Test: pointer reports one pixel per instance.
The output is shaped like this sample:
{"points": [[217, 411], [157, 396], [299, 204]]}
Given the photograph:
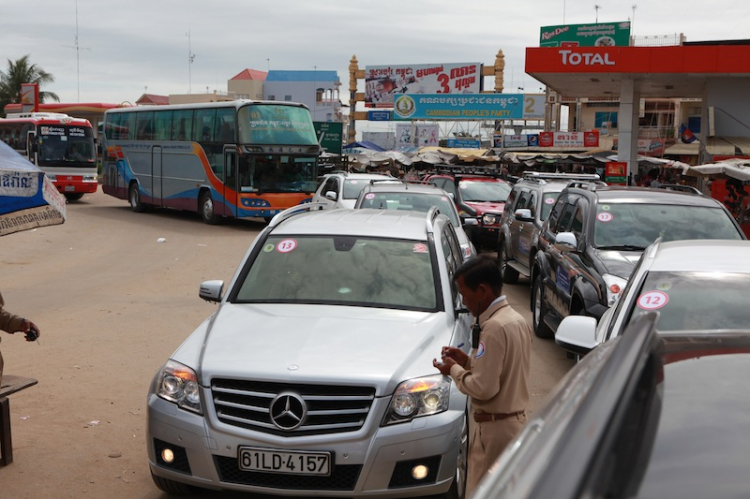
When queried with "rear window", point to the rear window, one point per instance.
{"points": [[342, 270], [412, 202]]}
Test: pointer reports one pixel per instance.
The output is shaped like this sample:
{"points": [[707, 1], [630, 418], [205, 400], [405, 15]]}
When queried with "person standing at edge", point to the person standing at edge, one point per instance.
{"points": [[495, 373], [11, 323]]}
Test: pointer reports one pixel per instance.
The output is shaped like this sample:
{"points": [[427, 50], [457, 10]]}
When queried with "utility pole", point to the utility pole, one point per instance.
{"points": [[596, 8], [78, 55], [191, 56]]}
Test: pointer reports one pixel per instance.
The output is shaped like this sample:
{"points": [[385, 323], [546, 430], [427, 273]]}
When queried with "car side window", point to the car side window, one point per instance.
{"points": [[511, 203], [449, 186], [453, 257], [331, 185], [576, 226], [554, 219], [566, 218], [523, 201], [533, 198]]}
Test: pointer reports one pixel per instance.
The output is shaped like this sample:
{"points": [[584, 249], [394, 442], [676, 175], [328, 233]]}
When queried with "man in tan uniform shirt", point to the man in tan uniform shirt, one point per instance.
{"points": [[11, 323], [494, 375]]}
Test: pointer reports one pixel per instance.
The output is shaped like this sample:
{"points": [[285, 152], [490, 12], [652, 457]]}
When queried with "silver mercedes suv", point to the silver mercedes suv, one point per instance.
{"points": [[314, 376]]}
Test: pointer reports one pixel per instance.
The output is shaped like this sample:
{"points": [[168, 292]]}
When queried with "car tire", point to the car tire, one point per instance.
{"points": [[172, 487], [206, 209], [458, 487], [510, 275], [539, 309], [134, 197]]}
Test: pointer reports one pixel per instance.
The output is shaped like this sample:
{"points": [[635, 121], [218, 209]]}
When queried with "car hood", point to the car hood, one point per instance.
{"points": [[486, 207], [619, 263], [321, 343]]}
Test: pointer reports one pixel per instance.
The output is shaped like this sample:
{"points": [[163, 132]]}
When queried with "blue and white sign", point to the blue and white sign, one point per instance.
{"points": [[378, 116], [464, 143], [458, 107]]}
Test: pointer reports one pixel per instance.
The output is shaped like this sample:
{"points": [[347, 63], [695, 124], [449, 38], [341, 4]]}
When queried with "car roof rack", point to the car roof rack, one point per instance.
{"points": [[295, 210], [560, 176], [590, 185]]}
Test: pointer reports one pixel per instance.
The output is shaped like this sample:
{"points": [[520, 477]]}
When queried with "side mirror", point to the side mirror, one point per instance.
{"points": [[566, 241], [331, 195], [211, 290], [523, 215], [469, 222], [577, 334]]}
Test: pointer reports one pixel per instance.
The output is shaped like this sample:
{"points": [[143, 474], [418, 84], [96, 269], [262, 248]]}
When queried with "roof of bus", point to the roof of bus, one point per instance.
{"points": [[204, 105], [53, 118]]}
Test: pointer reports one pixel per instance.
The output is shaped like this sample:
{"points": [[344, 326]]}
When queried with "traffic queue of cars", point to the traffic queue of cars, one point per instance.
{"points": [[648, 291]]}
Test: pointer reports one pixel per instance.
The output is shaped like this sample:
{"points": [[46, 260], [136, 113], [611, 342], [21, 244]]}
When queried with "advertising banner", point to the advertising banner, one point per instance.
{"points": [[382, 83], [330, 135], [616, 173], [411, 135], [523, 140], [458, 107], [586, 35], [29, 97], [569, 139]]}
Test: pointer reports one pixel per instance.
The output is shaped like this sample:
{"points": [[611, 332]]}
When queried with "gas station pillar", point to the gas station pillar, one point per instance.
{"points": [[627, 147]]}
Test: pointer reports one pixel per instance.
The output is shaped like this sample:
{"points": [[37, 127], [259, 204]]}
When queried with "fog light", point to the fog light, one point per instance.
{"points": [[419, 472], [168, 456]]}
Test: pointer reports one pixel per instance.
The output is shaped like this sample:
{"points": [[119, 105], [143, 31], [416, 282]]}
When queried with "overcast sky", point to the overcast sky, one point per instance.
{"points": [[128, 48]]}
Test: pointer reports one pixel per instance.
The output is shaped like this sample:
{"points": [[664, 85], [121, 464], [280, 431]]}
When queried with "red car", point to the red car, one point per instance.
{"points": [[480, 196]]}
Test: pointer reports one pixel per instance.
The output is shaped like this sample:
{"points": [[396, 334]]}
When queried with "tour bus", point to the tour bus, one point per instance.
{"points": [[242, 158], [61, 146]]}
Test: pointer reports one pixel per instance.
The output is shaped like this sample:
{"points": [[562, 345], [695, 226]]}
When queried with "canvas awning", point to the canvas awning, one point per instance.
{"points": [[734, 168]]}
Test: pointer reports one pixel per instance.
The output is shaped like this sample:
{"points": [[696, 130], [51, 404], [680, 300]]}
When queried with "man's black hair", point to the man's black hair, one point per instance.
{"points": [[481, 269]]}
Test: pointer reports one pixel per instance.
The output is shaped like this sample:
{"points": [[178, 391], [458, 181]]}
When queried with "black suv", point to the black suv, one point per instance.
{"points": [[594, 237], [526, 209]]}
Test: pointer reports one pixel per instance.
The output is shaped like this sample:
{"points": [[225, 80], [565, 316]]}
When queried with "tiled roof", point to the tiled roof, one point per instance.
{"points": [[161, 100], [250, 74]]}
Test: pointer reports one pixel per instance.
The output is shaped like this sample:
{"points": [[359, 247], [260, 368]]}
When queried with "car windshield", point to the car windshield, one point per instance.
{"points": [[353, 187], [548, 202], [341, 270], [695, 300], [411, 201], [635, 226], [478, 191]]}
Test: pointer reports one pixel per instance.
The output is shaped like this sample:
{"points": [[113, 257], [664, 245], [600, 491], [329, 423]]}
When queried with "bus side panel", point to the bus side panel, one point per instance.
{"points": [[183, 175]]}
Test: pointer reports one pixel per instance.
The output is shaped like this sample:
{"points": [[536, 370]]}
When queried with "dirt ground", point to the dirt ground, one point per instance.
{"points": [[112, 303]]}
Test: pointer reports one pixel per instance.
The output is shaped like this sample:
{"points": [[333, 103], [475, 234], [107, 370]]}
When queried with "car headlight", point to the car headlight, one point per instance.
{"points": [[615, 285], [490, 219], [179, 384], [419, 397]]}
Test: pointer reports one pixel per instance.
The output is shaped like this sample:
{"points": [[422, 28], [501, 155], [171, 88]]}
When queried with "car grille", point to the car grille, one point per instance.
{"points": [[343, 477], [330, 409]]}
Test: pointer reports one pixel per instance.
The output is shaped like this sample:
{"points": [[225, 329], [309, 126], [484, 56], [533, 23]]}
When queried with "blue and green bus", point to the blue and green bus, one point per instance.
{"points": [[242, 159]]}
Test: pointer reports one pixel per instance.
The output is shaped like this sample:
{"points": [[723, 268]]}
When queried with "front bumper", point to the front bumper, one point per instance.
{"points": [[369, 462]]}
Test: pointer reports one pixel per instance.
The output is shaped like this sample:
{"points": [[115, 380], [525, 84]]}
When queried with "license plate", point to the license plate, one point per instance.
{"points": [[70, 188], [288, 462]]}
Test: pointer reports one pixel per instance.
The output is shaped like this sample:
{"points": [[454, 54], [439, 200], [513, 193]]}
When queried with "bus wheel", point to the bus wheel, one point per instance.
{"points": [[74, 197], [134, 196], [207, 209]]}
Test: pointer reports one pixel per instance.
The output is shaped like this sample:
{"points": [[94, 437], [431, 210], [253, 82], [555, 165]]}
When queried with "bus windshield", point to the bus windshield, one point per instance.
{"points": [[274, 173], [63, 145], [276, 124]]}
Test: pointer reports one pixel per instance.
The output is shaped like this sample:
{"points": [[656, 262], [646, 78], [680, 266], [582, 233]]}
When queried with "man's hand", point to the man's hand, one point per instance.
{"points": [[445, 366], [456, 355]]}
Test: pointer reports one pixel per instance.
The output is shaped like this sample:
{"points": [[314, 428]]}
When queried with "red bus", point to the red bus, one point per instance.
{"points": [[63, 147]]}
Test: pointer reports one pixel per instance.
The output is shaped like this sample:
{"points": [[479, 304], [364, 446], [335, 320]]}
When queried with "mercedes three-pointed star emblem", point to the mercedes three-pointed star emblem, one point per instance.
{"points": [[288, 411]]}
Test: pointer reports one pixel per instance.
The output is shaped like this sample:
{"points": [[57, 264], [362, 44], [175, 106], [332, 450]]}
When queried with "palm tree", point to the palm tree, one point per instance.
{"points": [[20, 72]]}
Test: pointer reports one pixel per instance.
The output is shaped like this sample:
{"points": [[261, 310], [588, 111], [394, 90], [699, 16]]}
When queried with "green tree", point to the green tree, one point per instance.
{"points": [[19, 72]]}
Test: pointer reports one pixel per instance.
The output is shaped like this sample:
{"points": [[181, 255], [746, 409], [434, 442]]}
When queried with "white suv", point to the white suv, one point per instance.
{"points": [[314, 377], [340, 190]]}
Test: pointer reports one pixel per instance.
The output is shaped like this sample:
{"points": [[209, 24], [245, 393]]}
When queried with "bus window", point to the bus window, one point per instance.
{"points": [[145, 126], [203, 126], [182, 125], [226, 125], [162, 125], [128, 126]]}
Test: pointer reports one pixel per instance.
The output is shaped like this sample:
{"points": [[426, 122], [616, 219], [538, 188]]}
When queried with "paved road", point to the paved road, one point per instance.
{"points": [[113, 303]]}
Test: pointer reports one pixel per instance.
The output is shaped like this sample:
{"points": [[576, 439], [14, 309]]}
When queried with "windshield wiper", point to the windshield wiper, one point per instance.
{"points": [[622, 247]]}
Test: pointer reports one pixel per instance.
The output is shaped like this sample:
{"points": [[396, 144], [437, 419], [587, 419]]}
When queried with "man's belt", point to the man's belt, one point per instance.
{"points": [[483, 417]]}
